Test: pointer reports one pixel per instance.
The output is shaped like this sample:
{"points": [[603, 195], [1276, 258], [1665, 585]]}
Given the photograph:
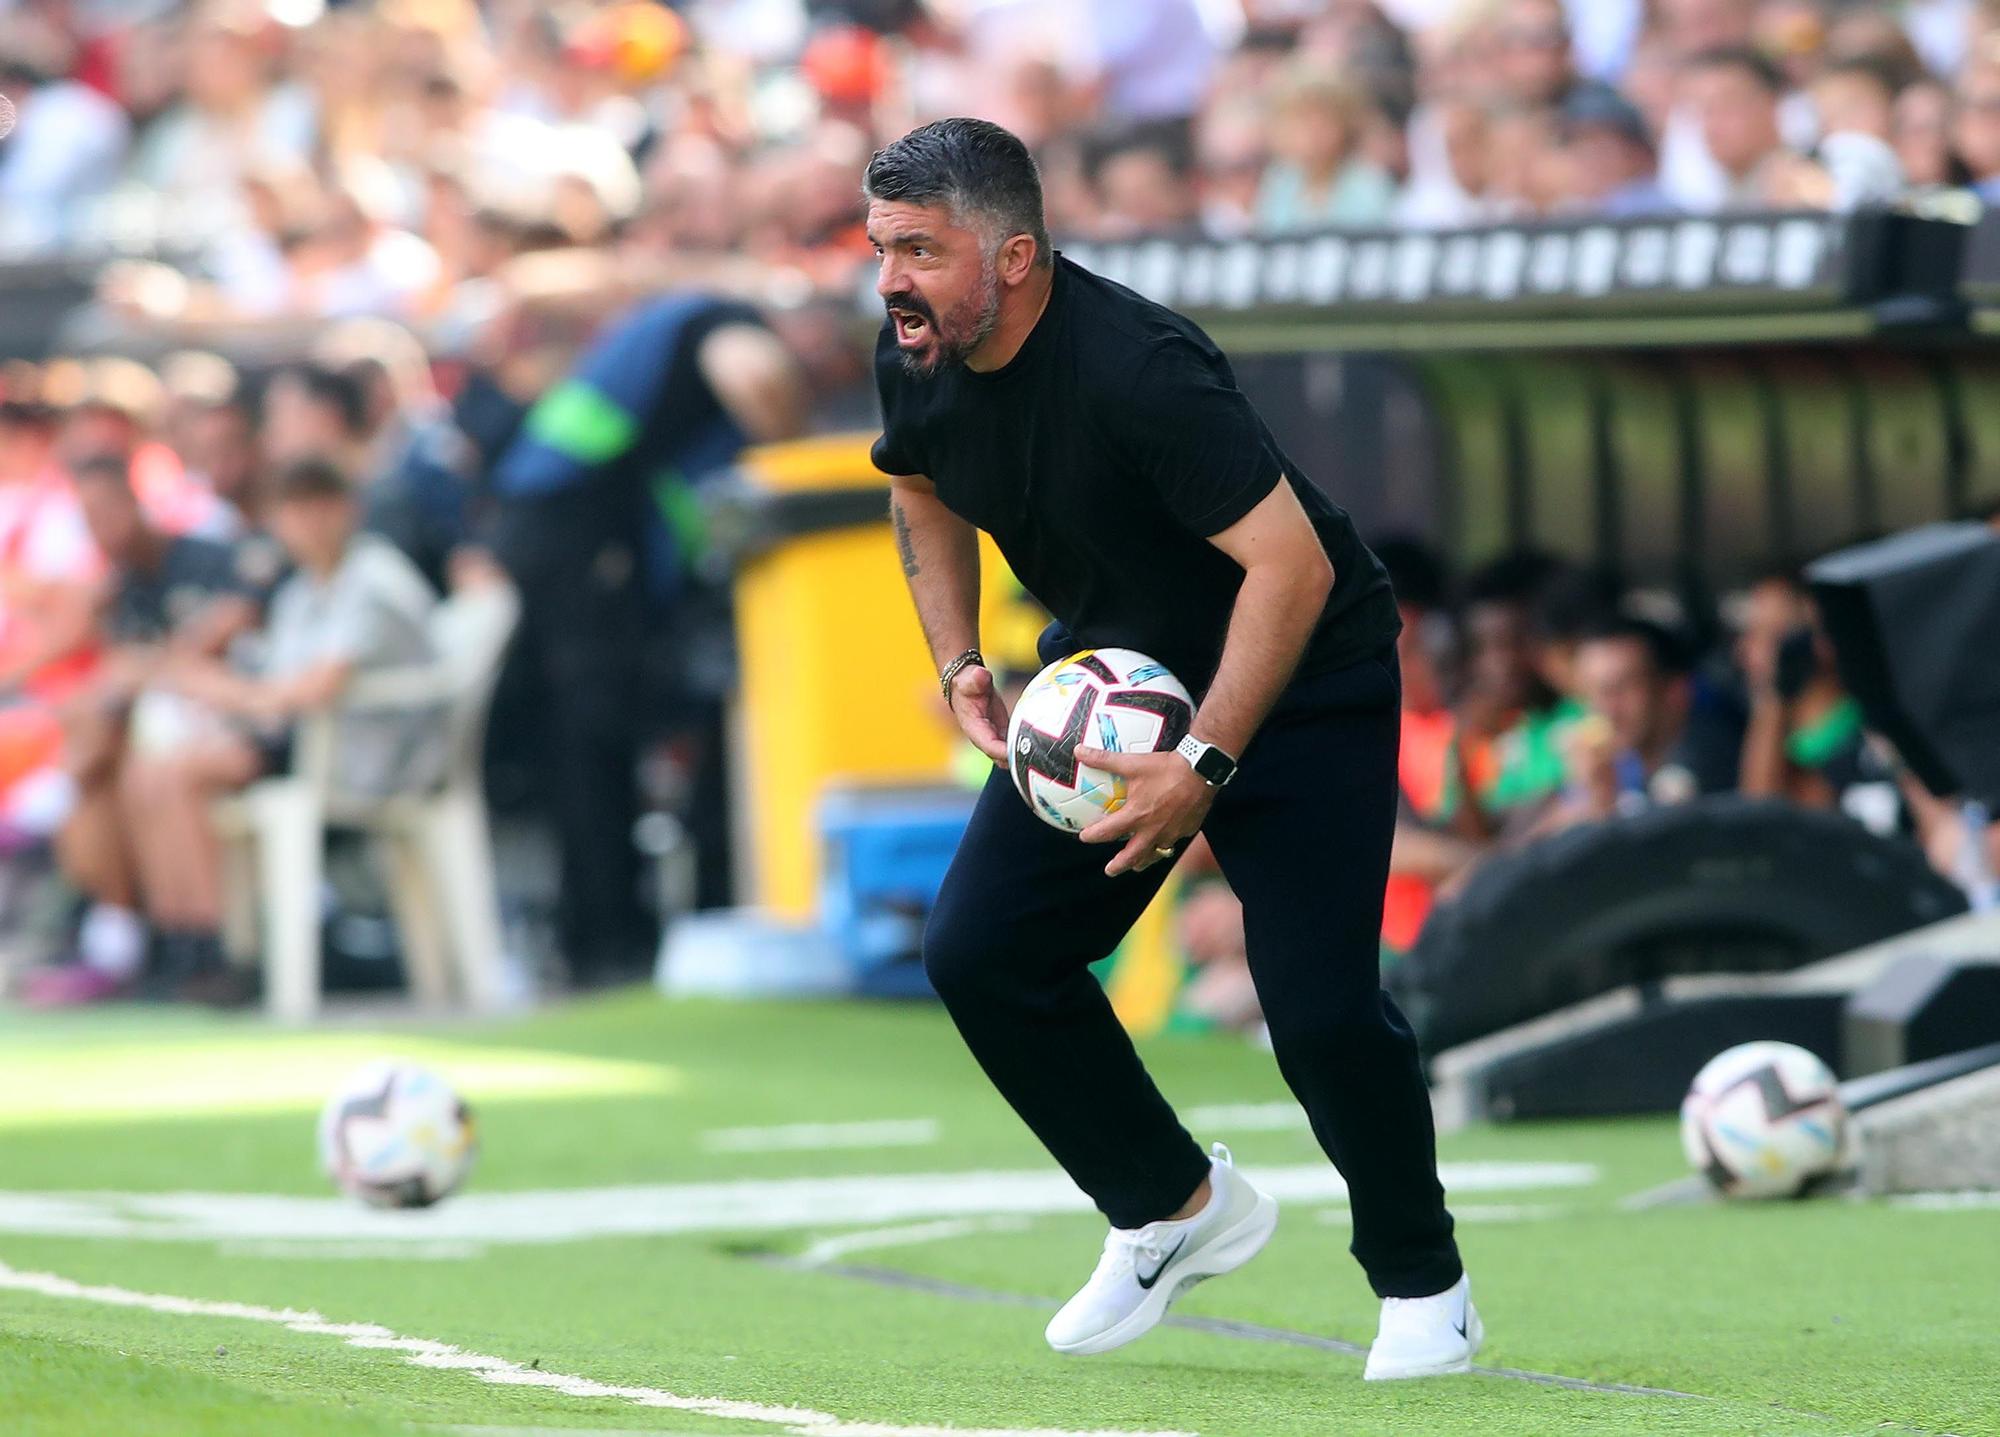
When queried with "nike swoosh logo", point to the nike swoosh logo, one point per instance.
{"points": [[1147, 1282], [1461, 1324]]}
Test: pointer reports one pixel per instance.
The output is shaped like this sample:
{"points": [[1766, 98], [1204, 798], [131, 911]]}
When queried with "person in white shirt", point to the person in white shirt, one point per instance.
{"points": [[67, 143]]}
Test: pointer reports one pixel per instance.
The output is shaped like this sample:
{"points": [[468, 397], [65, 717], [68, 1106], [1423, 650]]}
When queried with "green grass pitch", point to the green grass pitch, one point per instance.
{"points": [[1821, 1317]]}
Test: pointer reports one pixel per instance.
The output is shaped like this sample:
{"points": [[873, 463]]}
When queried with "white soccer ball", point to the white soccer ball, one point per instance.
{"points": [[1113, 699], [1764, 1120], [396, 1135]]}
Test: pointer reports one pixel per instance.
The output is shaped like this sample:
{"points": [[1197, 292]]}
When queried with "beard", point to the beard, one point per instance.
{"points": [[966, 326]]}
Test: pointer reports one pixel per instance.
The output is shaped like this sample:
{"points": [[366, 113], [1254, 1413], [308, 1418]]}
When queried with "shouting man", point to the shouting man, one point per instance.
{"points": [[1103, 443]]}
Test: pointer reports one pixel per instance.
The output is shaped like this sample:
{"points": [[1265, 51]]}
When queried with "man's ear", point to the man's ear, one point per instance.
{"points": [[1016, 258]]}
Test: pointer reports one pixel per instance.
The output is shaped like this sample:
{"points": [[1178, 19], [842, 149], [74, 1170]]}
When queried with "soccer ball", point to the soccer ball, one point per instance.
{"points": [[396, 1135], [1113, 699], [1764, 1120]]}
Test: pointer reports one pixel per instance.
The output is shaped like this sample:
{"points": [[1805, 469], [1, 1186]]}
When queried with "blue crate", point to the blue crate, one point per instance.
{"points": [[885, 855]]}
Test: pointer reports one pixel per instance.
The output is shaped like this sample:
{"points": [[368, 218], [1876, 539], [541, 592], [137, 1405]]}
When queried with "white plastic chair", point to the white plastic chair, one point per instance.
{"points": [[440, 851]]}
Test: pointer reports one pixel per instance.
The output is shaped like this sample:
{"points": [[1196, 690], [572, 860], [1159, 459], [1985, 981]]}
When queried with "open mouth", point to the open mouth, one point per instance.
{"points": [[912, 329]]}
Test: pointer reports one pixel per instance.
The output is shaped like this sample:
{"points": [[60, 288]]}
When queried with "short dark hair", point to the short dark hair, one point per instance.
{"points": [[1664, 647], [1754, 63], [974, 168], [1167, 139], [340, 390], [312, 477]]}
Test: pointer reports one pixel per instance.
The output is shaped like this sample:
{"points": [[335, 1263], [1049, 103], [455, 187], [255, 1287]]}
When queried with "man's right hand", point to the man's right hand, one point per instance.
{"points": [[980, 711]]}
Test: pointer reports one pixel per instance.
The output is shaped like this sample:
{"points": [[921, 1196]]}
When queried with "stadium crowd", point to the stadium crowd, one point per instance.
{"points": [[473, 262]]}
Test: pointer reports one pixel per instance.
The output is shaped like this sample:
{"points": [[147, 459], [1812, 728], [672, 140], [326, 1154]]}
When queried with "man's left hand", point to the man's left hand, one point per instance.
{"points": [[1166, 801]]}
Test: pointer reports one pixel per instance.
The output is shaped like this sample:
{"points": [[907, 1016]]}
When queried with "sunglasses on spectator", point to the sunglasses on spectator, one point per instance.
{"points": [[1534, 37]]}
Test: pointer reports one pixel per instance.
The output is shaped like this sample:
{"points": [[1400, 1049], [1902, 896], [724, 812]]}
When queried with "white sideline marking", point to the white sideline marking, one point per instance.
{"points": [[905, 1235], [572, 1214], [1222, 1119], [822, 1137], [357, 1251], [423, 1352]]}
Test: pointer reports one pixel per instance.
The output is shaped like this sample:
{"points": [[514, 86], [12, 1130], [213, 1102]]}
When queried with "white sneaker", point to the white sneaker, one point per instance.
{"points": [[1144, 1269], [1426, 1336]]}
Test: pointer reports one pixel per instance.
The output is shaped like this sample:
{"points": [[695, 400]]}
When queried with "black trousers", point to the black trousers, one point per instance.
{"points": [[1303, 836]]}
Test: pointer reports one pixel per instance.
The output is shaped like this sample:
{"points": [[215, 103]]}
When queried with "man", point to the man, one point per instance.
{"points": [[1645, 741], [353, 604], [1103, 443], [418, 475], [1975, 124], [1612, 168], [1734, 96], [598, 520], [160, 583]]}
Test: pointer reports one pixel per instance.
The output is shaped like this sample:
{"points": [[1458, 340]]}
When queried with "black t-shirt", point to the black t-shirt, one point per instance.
{"points": [[1101, 458], [146, 608]]}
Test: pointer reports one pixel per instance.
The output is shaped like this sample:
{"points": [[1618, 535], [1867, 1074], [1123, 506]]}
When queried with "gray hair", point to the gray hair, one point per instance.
{"points": [[982, 174]]}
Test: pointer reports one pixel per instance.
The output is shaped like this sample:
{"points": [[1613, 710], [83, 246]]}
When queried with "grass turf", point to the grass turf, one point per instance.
{"points": [[1827, 1317]]}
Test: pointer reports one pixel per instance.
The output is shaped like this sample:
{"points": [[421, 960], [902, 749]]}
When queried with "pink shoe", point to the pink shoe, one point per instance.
{"points": [[70, 985]]}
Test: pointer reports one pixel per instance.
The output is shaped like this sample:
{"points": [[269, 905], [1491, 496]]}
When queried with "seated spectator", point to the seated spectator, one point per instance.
{"points": [[1143, 179], [67, 140], [354, 605], [1644, 741], [159, 585], [1425, 854], [1506, 759], [1613, 169], [1921, 132], [1975, 126], [417, 478], [1805, 741], [1318, 178], [1734, 95]]}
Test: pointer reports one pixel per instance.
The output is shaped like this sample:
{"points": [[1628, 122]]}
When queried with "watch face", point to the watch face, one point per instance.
{"points": [[1215, 766]]}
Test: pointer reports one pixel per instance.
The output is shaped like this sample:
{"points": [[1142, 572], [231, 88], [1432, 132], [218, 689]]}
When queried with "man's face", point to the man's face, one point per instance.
{"points": [[1618, 680], [1532, 45], [1502, 657], [221, 445], [111, 513], [1739, 117], [1144, 194], [938, 281], [314, 530], [1976, 123]]}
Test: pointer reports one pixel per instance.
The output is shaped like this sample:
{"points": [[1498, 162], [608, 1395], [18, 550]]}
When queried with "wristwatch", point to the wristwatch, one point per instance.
{"points": [[1211, 764]]}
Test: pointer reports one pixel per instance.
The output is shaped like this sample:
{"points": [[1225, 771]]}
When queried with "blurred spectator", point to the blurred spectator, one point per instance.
{"points": [[1144, 183], [1734, 94], [313, 410], [229, 123], [158, 584], [1805, 741], [1976, 123], [1506, 757], [416, 477], [66, 141], [1450, 164], [1425, 853], [1531, 44], [1643, 742], [1856, 97], [1922, 133], [1318, 177], [1612, 167], [1230, 156], [354, 604]]}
